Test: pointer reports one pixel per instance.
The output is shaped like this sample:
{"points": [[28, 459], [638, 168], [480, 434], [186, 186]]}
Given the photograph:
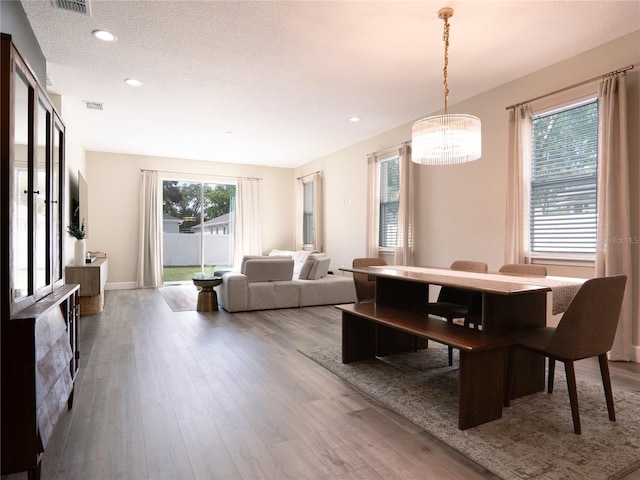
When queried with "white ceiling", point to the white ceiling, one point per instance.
{"points": [[285, 77]]}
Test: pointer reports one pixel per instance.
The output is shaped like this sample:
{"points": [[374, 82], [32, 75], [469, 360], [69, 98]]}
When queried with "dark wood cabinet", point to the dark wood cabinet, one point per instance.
{"points": [[40, 361], [39, 314]]}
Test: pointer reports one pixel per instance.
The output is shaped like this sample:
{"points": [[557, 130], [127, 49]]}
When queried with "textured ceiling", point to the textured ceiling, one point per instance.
{"points": [[285, 77]]}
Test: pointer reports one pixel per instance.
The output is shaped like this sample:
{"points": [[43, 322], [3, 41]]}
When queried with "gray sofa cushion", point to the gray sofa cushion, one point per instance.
{"points": [[307, 265], [268, 269], [246, 258], [320, 268], [287, 294], [329, 290], [261, 296]]}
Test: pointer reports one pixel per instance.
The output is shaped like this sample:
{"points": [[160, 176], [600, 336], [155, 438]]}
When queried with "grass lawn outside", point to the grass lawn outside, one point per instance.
{"points": [[185, 273]]}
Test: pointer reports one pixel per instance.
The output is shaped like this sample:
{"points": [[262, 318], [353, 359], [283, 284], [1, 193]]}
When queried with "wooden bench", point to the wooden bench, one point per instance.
{"points": [[370, 330]]}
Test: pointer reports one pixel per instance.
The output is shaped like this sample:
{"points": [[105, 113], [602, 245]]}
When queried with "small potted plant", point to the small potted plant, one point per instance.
{"points": [[79, 247], [76, 231]]}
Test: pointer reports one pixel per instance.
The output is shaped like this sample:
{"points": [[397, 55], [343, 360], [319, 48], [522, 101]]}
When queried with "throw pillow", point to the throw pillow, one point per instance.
{"points": [[276, 252], [307, 265], [320, 268]]}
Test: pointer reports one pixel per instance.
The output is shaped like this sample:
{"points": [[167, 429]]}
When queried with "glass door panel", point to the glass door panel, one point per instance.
{"points": [[40, 195], [217, 235], [196, 237], [181, 247], [21, 198]]}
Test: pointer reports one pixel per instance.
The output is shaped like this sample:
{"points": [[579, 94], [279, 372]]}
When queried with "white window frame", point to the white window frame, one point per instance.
{"points": [[307, 215], [548, 106], [388, 158]]}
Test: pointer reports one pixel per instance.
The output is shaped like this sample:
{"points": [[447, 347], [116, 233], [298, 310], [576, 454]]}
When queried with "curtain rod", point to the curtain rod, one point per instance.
{"points": [[309, 174], [615, 72], [200, 174], [385, 149]]}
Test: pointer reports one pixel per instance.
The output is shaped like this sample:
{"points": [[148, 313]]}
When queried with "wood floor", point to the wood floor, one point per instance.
{"points": [[218, 395]]}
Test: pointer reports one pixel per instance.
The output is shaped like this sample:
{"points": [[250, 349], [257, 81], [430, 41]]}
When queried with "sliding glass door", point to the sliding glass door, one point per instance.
{"points": [[197, 228]]}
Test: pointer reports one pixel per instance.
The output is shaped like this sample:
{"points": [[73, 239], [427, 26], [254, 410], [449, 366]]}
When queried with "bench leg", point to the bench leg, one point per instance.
{"points": [[358, 338], [390, 341], [481, 387], [363, 339]]}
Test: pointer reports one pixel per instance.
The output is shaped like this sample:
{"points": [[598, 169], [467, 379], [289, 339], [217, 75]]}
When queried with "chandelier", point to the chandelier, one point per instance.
{"points": [[446, 139]]}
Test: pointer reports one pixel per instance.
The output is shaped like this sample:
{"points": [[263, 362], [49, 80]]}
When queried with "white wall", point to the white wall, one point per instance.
{"points": [[461, 209], [75, 161], [113, 181]]}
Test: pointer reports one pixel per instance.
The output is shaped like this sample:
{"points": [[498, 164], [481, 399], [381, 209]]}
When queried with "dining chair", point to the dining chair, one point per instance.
{"points": [[453, 303], [365, 287], [522, 269], [586, 329], [525, 269]]}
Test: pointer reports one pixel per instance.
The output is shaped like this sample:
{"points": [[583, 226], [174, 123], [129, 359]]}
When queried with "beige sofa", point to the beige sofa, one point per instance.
{"points": [[282, 280]]}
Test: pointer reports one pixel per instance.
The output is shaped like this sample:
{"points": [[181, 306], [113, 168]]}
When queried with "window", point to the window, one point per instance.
{"points": [[308, 217], [307, 213], [563, 207], [389, 201]]}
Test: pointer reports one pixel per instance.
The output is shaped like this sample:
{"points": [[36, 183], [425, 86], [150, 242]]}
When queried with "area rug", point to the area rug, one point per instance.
{"points": [[534, 439], [180, 298]]}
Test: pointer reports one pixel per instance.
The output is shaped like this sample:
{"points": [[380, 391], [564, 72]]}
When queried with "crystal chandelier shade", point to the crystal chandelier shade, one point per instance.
{"points": [[446, 139]]}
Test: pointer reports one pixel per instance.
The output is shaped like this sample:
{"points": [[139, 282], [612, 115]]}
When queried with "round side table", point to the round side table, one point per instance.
{"points": [[207, 296]]}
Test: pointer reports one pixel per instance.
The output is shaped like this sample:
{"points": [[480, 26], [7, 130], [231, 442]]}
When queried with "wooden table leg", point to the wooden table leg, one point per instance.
{"points": [[481, 387], [507, 313]]}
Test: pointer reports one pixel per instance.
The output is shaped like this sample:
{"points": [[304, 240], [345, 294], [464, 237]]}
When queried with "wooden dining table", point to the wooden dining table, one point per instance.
{"points": [[509, 303]]}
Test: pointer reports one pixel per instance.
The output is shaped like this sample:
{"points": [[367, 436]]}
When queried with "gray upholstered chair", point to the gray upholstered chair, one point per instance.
{"points": [[525, 269], [455, 303], [365, 287], [587, 329]]}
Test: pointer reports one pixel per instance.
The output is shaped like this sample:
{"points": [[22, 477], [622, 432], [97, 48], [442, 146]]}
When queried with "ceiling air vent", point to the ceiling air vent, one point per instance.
{"points": [[49, 82], [75, 6], [93, 105]]}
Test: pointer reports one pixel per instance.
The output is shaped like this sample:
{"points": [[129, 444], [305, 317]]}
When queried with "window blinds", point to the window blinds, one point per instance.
{"points": [[563, 207], [389, 201], [307, 220]]}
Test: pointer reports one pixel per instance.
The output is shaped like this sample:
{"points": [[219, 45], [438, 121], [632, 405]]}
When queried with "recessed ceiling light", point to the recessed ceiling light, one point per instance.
{"points": [[354, 119], [133, 82], [104, 35]]}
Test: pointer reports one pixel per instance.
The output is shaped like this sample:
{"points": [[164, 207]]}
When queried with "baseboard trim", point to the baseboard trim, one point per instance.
{"points": [[121, 286]]}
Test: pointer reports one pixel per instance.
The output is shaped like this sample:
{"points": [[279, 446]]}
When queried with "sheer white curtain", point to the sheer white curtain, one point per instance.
{"points": [[404, 243], [150, 237], [248, 228], [373, 206], [613, 254], [518, 181]]}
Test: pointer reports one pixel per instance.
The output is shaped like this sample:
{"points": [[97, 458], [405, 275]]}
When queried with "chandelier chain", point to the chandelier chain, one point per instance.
{"points": [[445, 38], [446, 139]]}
